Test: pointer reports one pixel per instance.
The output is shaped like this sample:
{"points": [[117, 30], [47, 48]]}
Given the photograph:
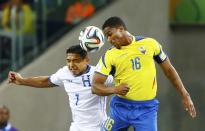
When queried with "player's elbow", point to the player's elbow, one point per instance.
{"points": [[94, 90]]}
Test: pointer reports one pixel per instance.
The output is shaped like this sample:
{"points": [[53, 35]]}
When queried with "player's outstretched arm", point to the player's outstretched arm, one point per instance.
{"points": [[38, 82], [173, 76], [99, 88]]}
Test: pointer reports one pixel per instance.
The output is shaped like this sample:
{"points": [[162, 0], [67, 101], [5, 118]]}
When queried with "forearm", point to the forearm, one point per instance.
{"points": [[101, 90], [173, 76], [38, 82]]}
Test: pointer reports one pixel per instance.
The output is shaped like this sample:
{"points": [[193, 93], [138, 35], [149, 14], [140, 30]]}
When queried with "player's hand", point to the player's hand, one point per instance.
{"points": [[189, 106], [122, 89], [14, 77]]}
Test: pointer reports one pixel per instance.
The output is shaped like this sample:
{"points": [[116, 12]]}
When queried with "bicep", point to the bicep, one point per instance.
{"points": [[99, 78], [46, 81]]}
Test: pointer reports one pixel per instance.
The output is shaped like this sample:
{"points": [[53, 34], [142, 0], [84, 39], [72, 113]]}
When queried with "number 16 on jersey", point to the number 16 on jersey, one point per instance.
{"points": [[136, 63]]}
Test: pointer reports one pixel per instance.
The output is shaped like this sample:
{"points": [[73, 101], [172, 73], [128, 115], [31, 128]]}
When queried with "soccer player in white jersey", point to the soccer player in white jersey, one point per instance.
{"points": [[88, 110]]}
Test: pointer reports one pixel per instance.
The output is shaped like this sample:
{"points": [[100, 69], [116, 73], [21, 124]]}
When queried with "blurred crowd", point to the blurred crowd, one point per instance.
{"points": [[27, 27], [78, 11], [17, 20]]}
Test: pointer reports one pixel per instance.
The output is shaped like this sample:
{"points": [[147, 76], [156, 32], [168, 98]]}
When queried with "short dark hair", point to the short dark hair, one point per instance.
{"points": [[4, 107], [114, 22], [76, 49]]}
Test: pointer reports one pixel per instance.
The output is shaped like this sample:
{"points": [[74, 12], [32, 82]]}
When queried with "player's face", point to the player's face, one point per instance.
{"points": [[4, 115], [76, 64], [115, 36]]}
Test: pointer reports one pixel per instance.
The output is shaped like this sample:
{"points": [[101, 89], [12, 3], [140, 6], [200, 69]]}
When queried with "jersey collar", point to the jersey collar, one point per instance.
{"points": [[87, 69]]}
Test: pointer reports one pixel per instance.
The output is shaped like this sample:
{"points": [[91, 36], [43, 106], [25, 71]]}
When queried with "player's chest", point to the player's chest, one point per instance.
{"points": [[80, 83], [132, 53]]}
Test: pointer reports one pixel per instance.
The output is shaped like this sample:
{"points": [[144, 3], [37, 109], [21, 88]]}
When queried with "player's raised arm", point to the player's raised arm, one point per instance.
{"points": [[38, 81], [99, 88], [173, 76]]}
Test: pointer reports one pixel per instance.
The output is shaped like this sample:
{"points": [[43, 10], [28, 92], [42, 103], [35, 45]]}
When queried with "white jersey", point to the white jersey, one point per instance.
{"points": [[88, 110]]}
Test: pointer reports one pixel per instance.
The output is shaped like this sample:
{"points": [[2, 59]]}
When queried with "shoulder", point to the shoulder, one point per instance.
{"points": [[62, 73], [139, 37], [63, 70], [149, 41], [111, 51], [91, 69], [110, 55]]}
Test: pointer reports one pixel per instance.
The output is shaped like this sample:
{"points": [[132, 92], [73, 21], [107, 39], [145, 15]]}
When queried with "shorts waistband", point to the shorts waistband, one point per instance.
{"points": [[152, 101]]}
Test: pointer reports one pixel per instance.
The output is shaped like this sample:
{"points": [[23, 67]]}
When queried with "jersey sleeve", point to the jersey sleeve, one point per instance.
{"points": [[55, 78], [109, 81], [104, 65], [159, 55]]}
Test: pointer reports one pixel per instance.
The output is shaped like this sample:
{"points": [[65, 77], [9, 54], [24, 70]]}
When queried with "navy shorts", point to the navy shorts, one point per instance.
{"points": [[141, 115]]}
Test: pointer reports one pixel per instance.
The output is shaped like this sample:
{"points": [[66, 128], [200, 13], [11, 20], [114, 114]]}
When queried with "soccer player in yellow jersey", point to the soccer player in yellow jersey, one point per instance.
{"points": [[132, 63]]}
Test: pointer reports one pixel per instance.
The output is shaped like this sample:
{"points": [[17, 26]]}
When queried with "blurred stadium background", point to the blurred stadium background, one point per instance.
{"points": [[33, 42]]}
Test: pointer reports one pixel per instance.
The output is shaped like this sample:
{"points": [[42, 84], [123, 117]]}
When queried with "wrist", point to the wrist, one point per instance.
{"points": [[185, 95], [21, 81], [114, 90]]}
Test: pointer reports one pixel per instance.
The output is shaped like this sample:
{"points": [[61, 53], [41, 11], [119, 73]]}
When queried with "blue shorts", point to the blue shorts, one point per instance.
{"points": [[141, 115]]}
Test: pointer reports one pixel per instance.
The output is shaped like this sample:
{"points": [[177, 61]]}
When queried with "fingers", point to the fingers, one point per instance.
{"points": [[124, 88], [11, 77], [124, 92], [189, 106], [191, 111]]}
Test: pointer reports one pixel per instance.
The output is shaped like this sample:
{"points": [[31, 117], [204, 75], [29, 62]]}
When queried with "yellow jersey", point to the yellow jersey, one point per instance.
{"points": [[28, 19], [134, 65]]}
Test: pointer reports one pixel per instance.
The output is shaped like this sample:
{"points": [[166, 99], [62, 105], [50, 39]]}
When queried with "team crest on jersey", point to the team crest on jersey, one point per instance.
{"points": [[142, 49]]}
